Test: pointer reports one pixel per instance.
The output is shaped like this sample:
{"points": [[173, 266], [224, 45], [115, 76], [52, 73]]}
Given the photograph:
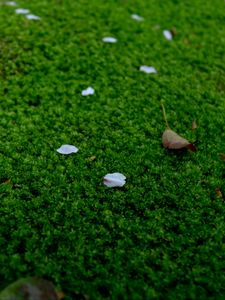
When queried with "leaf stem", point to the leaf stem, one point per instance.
{"points": [[164, 115]]}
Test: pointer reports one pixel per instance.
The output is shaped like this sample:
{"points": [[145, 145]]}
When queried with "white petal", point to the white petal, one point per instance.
{"points": [[88, 91], [32, 17], [67, 149], [22, 11], [10, 3], [148, 70], [168, 35], [114, 180], [137, 17], [109, 40]]}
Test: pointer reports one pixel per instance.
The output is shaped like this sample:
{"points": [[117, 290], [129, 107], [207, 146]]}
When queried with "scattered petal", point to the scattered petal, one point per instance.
{"points": [[194, 125], [67, 149], [168, 35], [148, 70], [172, 140], [10, 3], [109, 40], [137, 17], [32, 17], [114, 180], [88, 91], [22, 11]]}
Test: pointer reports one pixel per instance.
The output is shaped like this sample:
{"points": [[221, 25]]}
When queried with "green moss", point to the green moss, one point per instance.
{"points": [[161, 236]]}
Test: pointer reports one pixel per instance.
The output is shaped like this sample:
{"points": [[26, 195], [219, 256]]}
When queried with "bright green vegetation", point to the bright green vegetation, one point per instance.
{"points": [[162, 235]]}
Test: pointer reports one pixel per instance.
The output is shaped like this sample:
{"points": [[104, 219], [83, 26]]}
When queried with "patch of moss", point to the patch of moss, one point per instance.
{"points": [[161, 236]]}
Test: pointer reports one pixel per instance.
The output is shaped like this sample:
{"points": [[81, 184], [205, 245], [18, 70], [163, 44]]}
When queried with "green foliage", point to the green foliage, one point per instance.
{"points": [[161, 236]]}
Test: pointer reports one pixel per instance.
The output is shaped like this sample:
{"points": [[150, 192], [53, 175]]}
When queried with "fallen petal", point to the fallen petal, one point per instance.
{"points": [[172, 140], [10, 3], [148, 70], [137, 17], [88, 91], [114, 180], [67, 149], [32, 17], [109, 40], [168, 35], [22, 11]]}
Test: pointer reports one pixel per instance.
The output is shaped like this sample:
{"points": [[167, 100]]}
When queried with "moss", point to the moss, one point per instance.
{"points": [[161, 236]]}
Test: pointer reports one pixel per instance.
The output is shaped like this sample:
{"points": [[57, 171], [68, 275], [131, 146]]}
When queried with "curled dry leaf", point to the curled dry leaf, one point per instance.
{"points": [[91, 158], [222, 156], [172, 140], [194, 125], [81, 296], [60, 295], [30, 289], [218, 193], [7, 181], [173, 30]]}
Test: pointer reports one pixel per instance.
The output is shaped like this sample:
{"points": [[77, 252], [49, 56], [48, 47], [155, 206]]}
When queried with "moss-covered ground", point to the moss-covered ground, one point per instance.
{"points": [[162, 235]]}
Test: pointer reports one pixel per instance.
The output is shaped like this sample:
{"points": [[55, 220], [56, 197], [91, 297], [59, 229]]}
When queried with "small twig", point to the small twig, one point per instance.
{"points": [[164, 115]]}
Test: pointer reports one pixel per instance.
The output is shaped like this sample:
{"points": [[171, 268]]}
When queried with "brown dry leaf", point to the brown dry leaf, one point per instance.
{"points": [[30, 289], [8, 181], [172, 140], [194, 125], [186, 42], [81, 296], [222, 156], [218, 193], [60, 295], [92, 158], [173, 30]]}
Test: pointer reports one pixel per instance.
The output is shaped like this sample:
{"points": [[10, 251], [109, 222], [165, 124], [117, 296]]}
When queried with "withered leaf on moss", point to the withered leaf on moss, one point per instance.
{"points": [[172, 140], [31, 288]]}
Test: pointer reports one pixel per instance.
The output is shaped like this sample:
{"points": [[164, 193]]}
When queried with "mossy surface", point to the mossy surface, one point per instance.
{"points": [[161, 236]]}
